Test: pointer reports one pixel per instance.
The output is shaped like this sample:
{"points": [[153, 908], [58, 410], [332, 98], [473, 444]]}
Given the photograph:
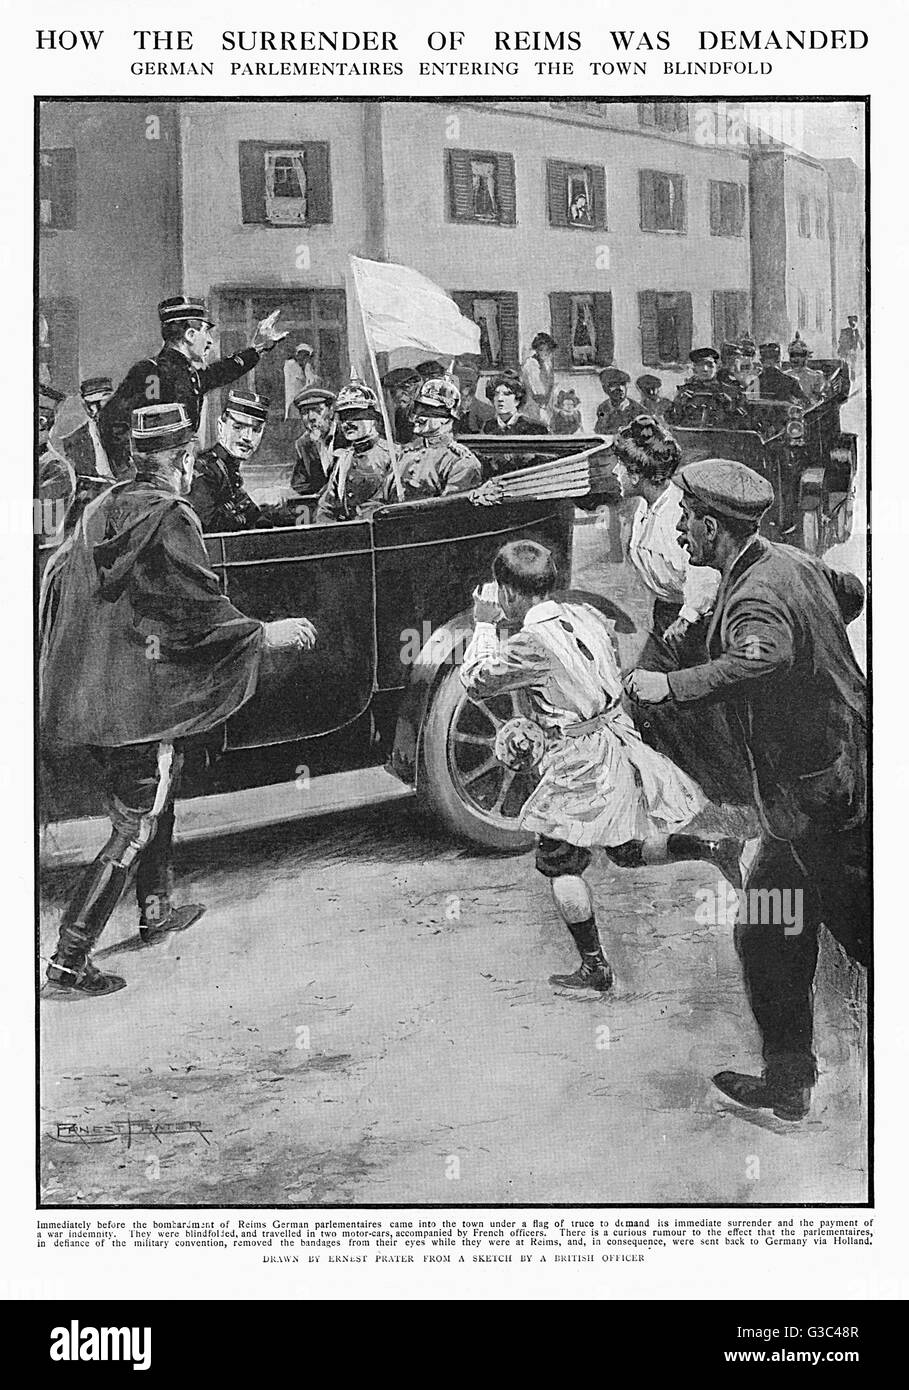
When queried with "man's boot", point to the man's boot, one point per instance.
{"points": [[787, 1095], [594, 972], [70, 974], [158, 919]]}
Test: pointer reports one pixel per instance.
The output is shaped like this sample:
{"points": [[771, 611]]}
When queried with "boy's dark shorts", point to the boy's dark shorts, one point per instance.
{"points": [[557, 857]]}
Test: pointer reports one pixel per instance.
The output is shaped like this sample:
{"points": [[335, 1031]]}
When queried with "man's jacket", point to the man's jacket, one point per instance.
{"points": [[780, 656]]}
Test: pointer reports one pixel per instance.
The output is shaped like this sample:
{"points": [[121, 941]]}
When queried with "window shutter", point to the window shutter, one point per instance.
{"points": [[648, 200], [508, 328], [683, 313], [459, 185], [680, 219], [598, 188], [252, 180], [719, 317], [560, 328], [716, 208], [740, 299], [64, 189], [557, 186], [602, 317], [740, 229], [681, 116], [647, 112], [507, 195], [647, 307], [318, 181]]}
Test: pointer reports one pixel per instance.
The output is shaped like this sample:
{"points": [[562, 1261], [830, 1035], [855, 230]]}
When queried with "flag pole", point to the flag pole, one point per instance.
{"points": [[383, 404]]}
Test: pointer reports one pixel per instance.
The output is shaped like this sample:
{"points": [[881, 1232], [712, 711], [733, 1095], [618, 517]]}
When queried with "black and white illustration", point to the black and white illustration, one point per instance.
{"points": [[451, 649]]}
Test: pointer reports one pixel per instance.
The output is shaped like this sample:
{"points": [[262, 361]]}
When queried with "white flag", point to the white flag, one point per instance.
{"points": [[402, 309]]}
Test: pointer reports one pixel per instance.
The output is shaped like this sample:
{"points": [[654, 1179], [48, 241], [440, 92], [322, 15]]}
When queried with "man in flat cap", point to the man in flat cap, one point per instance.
{"points": [[702, 400], [363, 460], [650, 397], [140, 650], [218, 492], [777, 385], [616, 411], [812, 382], [313, 450], [780, 659], [180, 372]]}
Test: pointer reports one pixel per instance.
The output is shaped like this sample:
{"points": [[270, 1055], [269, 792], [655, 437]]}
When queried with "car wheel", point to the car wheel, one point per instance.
{"points": [[473, 794]]}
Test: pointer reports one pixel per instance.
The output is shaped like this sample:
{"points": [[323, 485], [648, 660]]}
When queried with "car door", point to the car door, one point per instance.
{"points": [[324, 573]]}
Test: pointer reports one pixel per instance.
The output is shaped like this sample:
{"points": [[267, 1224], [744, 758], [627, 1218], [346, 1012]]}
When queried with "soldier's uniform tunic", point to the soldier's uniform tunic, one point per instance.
{"points": [[357, 480], [435, 470]]}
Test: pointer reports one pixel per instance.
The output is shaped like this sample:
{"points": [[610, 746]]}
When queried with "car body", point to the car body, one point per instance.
{"points": [[391, 598]]}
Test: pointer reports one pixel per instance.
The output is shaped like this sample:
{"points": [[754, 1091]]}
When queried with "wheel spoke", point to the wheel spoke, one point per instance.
{"points": [[503, 791], [480, 771], [481, 740]]}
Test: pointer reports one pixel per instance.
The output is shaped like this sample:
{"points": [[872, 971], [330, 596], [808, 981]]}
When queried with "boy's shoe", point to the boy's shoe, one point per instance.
{"points": [[178, 919], [590, 975]]}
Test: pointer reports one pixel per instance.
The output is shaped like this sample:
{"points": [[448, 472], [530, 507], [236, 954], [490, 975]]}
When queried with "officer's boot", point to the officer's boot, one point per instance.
{"points": [[158, 918], [71, 973]]}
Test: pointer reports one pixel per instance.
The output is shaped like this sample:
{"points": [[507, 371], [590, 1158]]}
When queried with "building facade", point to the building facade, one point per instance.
{"points": [[619, 228]]}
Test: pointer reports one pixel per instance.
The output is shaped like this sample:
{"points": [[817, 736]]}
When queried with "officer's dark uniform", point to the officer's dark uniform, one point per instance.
{"points": [[702, 402], [169, 377], [218, 494]]}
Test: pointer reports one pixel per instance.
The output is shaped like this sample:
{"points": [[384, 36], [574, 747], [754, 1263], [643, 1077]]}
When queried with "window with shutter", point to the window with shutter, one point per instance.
{"points": [[804, 216], [481, 187], [57, 190], [665, 326], [58, 343], [662, 201], [647, 113], [576, 195], [727, 208], [285, 184]]}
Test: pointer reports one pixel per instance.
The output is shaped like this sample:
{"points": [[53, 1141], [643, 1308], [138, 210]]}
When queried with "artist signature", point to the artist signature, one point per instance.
{"points": [[126, 1130]]}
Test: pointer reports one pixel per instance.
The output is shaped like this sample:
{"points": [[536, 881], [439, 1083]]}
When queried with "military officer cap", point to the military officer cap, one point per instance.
{"points": [[798, 347], [729, 351], [703, 354], [157, 427], [648, 382], [357, 396], [614, 376], [748, 345], [770, 352], [181, 307], [726, 488], [247, 406], [313, 395], [400, 376], [94, 387], [440, 393]]}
